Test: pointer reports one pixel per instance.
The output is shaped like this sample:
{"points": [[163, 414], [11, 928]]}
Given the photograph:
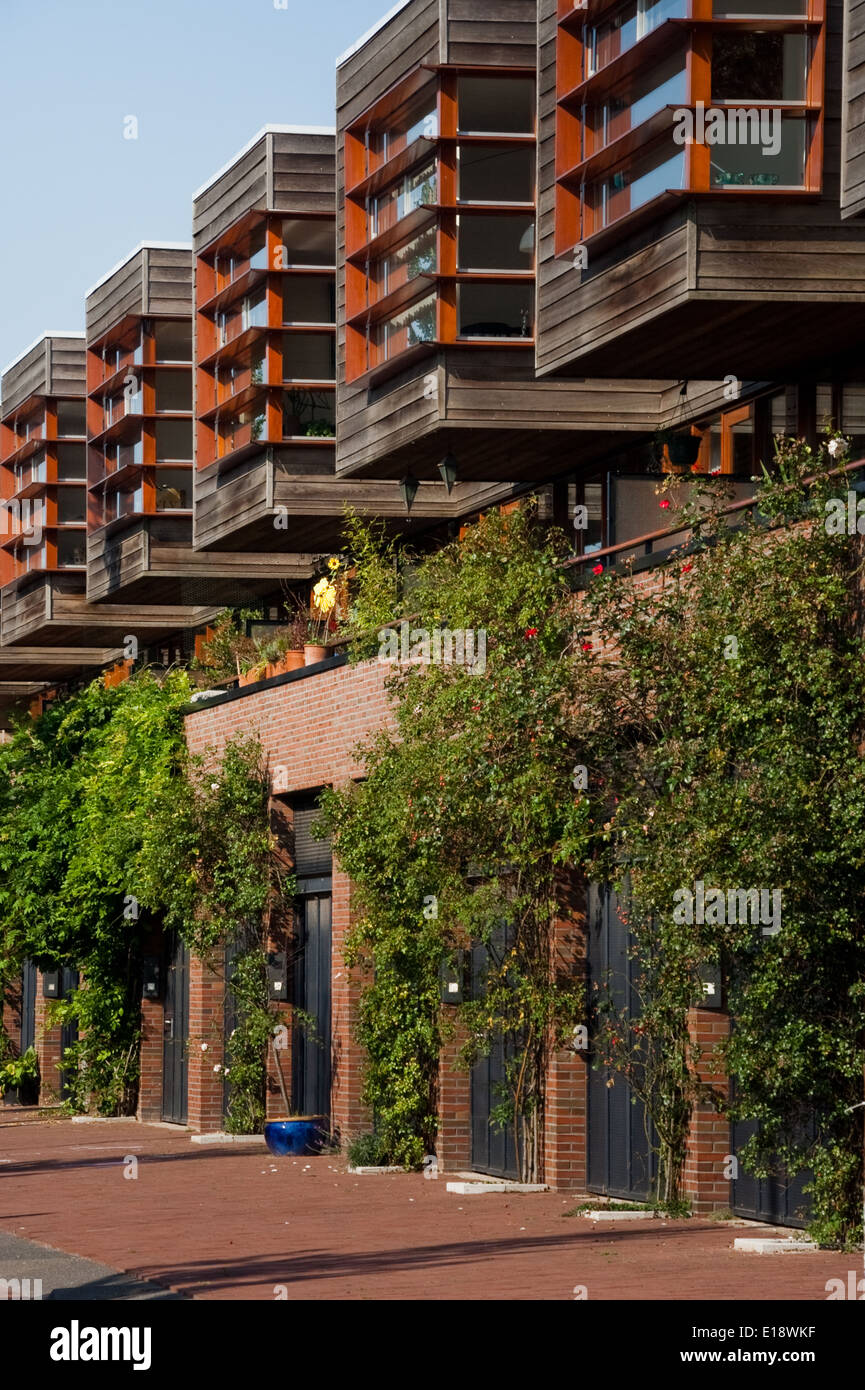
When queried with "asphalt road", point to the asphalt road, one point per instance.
{"points": [[70, 1278]]}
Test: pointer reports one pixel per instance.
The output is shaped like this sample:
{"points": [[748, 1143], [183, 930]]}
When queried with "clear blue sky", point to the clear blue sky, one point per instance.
{"points": [[201, 76]]}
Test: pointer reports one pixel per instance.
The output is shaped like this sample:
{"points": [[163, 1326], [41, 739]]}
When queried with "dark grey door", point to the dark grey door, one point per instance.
{"points": [[28, 1005], [494, 1147], [779, 1200], [311, 1043], [621, 1147], [175, 1022], [69, 981]]}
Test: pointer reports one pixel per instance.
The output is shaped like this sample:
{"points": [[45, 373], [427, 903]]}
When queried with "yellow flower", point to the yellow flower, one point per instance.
{"points": [[333, 562], [324, 596]]}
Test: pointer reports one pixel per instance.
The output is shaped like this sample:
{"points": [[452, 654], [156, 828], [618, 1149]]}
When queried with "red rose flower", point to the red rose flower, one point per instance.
{"points": [[598, 569], [587, 646], [531, 632], [664, 503], [686, 569]]}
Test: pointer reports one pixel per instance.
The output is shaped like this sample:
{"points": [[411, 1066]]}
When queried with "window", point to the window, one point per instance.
{"points": [[128, 501], [492, 242], [71, 548], [495, 311], [419, 121], [409, 329], [626, 27], [71, 418], [173, 391], [665, 85], [417, 189], [496, 173], [173, 340], [173, 439], [630, 188], [128, 454], [71, 505], [771, 155], [308, 241], [253, 311], [759, 67], [173, 489], [308, 357], [308, 299], [308, 413], [728, 9], [496, 105], [416, 257]]}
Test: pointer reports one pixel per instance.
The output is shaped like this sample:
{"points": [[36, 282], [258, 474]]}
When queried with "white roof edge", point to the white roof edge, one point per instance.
{"points": [[370, 33], [142, 246], [49, 333], [250, 144]]}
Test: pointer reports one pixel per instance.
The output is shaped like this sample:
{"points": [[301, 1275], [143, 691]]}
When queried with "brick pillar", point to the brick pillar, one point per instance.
{"points": [[567, 1079], [47, 1049], [152, 1032], [349, 1116], [454, 1140], [206, 1044], [709, 1138]]}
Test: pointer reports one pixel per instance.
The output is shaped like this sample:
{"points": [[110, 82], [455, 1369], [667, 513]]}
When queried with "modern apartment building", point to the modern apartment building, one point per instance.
{"points": [[518, 263]]}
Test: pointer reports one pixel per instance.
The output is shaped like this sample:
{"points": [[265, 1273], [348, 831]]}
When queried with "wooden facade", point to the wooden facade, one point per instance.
{"points": [[705, 279]]}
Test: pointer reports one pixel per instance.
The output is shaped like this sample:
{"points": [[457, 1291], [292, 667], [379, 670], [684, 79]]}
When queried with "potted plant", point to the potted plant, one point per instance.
{"points": [[19, 1079], [293, 1134], [679, 449]]}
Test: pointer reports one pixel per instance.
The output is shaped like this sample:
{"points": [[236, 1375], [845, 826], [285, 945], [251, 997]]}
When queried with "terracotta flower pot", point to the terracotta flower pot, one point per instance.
{"points": [[312, 653], [293, 661]]}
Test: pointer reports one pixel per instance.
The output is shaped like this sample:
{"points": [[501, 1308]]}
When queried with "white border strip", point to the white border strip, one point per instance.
{"points": [[370, 33], [250, 144], [142, 246], [49, 333]]}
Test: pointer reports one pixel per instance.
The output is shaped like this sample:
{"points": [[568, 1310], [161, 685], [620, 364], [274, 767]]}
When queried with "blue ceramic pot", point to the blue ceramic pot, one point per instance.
{"points": [[304, 1135]]}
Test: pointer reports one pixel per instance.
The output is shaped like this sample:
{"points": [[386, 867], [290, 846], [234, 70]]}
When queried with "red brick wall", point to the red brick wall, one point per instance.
{"points": [[566, 1098], [308, 729], [47, 1049], [454, 1139], [206, 1044]]}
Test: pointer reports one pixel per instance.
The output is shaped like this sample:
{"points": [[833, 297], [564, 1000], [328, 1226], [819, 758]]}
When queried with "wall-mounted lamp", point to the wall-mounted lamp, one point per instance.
{"points": [[408, 487], [449, 472]]}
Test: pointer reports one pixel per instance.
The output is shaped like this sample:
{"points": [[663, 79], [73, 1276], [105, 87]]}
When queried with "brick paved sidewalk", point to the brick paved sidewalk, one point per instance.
{"points": [[233, 1223]]}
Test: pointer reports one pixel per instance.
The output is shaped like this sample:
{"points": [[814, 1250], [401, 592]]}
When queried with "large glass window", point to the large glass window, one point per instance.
{"points": [[173, 439], [496, 173], [627, 26], [173, 489], [417, 189], [665, 85], [308, 357], [414, 326], [630, 188], [418, 121], [488, 241], [71, 418], [766, 151], [71, 462], [496, 105], [495, 311], [173, 391], [71, 505], [308, 299], [71, 548], [416, 257], [759, 67], [308, 241], [173, 340], [728, 9], [310, 414]]}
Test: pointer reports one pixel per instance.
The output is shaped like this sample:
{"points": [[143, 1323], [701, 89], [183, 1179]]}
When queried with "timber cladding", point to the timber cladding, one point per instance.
{"points": [[154, 281], [53, 367], [283, 171], [853, 110]]}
